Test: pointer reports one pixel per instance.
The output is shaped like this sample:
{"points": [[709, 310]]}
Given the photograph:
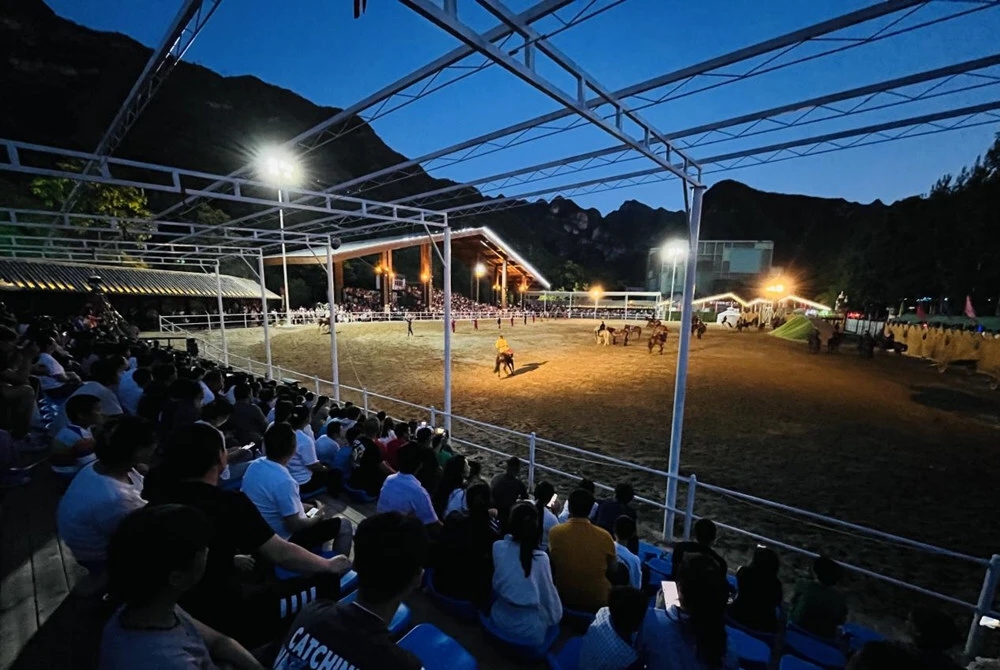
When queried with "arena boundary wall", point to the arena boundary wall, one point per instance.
{"points": [[534, 452]]}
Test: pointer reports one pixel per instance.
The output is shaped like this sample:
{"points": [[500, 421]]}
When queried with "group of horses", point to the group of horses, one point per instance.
{"points": [[658, 333]]}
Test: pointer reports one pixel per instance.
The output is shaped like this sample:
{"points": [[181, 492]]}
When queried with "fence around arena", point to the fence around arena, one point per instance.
{"points": [[535, 453]]}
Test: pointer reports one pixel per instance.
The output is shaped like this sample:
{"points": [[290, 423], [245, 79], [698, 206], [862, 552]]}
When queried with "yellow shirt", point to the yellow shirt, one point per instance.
{"points": [[501, 345], [580, 553]]}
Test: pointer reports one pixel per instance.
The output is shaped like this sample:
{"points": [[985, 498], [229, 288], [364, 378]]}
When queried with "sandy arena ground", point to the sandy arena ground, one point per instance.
{"points": [[888, 443]]}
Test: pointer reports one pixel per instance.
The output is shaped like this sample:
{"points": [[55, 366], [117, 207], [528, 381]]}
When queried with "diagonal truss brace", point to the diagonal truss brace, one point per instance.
{"points": [[448, 20]]}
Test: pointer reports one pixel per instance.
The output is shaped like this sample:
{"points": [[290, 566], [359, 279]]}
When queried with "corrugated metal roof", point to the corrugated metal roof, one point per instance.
{"points": [[22, 275]]}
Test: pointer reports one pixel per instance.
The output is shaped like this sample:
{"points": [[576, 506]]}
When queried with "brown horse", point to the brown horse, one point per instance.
{"points": [[505, 363], [658, 338], [323, 321]]}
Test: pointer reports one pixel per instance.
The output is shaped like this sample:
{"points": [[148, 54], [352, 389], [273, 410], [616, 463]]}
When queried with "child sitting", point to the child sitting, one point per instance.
{"points": [[608, 644], [73, 446]]}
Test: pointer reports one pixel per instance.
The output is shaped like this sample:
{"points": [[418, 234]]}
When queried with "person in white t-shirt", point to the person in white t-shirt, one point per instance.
{"points": [[130, 388], [544, 494], [403, 492], [275, 493], [73, 446], [305, 466], [52, 376], [625, 531], [105, 373], [103, 492]]}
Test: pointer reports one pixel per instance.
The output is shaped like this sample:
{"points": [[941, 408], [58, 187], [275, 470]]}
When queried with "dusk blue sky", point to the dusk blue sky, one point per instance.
{"points": [[316, 49]]}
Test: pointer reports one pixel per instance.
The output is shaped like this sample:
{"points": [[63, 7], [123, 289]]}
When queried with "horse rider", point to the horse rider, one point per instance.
{"points": [[502, 347], [601, 328]]}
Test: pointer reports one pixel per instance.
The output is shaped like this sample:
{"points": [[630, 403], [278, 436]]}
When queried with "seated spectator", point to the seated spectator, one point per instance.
{"points": [[329, 445], [232, 382], [934, 633], [387, 432], [393, 446], [704, 536], [507, 489], [608, 511], [275, 494], [463, 553], [625, 536], [609, 641], [130, 388], [390, 551], [247, 422], [450, 494], [105, 491], [544, 495], [403, 493], [210, 383], [588, 486], [105, 375], [430, 468], [582, 557], [230, 597], [52, 376], [368, 469], [156, 395], [691, 635], [817, 606], [17, 393], [155, 556], [305, 466], [183, 408], [320, 415], [441, 444], [265, 402], [759, 593], [527, 603], [73, 445]]}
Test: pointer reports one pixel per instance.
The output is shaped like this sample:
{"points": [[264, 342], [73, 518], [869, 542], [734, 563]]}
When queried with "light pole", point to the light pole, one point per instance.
{"points": [[480, 270], [522, 288], [673, 251], [280, 168], [595, 294]]}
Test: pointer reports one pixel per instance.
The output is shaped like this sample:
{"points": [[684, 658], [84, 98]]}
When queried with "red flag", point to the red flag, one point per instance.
{"points": [[921, 312], [969, 311]]}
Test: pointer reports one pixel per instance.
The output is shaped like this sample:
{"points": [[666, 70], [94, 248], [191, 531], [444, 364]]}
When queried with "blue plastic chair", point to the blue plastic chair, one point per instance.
{"points": [[460, 609], [794, 663], [814, 649], [660, 569], [400, 620], [516, 647], [436, 650], [858, 636], [567, 658], [648, 551], [763, 636], [359, 495], [753, 654]]}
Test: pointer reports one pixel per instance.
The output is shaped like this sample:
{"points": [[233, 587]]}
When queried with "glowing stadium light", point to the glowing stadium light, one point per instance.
{"points": [[674, 250], [279, 167], [480, 269]]}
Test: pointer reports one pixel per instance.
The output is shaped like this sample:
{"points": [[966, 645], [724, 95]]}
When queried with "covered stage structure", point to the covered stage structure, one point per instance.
{"points": [[320, 217], [482, 250]]}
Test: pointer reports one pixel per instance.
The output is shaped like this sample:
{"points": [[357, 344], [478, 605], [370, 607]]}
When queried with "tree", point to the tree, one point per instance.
{"points": [[571, 277]]}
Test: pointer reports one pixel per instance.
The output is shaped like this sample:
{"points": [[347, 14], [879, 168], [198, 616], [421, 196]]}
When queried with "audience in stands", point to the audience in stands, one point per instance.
{"points": [[449, 496], [403, 493], [247, 422], [463, 553], [690, 635], [591, 488], [73, 445], [609, 643], [131, 386], [370, 470], [608, 511], [545, 493], [235, 596], [759, 593], [105, 491], [430, 467], [527, 603], [17, 392], [582, 557], [390, 551], [818, 607], [55, 381], [305, 466], [275, 494], [103, 385], [626, 535], [507, 488], [156, 396], [704, 536], [156, 555], [393, 446]]}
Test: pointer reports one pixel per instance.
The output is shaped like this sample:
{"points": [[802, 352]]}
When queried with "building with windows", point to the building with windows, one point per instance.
{"points": [[723, 265]]}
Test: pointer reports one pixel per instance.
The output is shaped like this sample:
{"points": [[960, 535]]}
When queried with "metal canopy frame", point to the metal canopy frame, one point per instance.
{"points": [[515, 44]]}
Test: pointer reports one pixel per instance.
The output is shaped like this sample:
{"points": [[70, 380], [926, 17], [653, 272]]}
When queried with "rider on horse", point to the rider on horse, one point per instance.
{"points": [[502, 348]]}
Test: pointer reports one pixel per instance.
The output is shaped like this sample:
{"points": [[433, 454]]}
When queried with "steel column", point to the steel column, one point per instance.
{"points": [[447, 329], [503, 285], [331, 294], [284, 262], [222, 316], [683, 350], [263, 308]]}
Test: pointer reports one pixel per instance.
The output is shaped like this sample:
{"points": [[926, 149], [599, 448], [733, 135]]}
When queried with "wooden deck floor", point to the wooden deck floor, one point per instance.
{"points": [[50, 617]]}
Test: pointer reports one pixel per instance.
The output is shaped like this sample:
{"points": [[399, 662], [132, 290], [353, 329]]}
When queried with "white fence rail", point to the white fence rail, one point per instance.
{"points": [[532, 451]]}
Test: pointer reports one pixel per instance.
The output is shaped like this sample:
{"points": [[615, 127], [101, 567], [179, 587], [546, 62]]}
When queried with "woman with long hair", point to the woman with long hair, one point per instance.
{"points": [[449, 496], [463, 553], [527, 603], [691, 635], [544, 493]]}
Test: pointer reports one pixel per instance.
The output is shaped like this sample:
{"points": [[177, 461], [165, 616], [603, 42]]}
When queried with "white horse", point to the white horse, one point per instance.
{"points": [[604, 336]]}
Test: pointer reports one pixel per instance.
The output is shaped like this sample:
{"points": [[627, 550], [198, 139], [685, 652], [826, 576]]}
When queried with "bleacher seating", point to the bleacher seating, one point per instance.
{"points": [[436, 650], [752, 653], [460, 609], [814, 649], [568, 656], [517, 648], [795, 663]]}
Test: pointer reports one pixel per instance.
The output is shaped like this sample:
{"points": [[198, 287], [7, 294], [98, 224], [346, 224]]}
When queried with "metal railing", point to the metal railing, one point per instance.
{"points": [[532, 451]]}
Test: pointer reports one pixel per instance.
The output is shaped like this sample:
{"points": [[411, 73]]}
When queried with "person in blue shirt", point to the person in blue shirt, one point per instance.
{"points": [[691, 635]]}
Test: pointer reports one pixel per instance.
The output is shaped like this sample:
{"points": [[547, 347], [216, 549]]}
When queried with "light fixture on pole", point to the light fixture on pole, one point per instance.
{"points": [[281, 168], [523, 289], [673, 251], [480, 270], [595, 293]]}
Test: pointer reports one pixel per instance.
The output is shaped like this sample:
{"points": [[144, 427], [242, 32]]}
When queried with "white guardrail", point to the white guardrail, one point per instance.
{"points": [[531, 450]]}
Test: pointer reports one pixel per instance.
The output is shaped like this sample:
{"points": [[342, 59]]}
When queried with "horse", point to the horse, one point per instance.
{"points": [[658, 338], [631, 332], [698, 327], [505, 362], [605, 337], [323, 321], [653, 323]]}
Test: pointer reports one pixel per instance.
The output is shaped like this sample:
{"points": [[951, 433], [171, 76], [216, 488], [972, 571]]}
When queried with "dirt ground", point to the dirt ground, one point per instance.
{"points": [[888, 443]]}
